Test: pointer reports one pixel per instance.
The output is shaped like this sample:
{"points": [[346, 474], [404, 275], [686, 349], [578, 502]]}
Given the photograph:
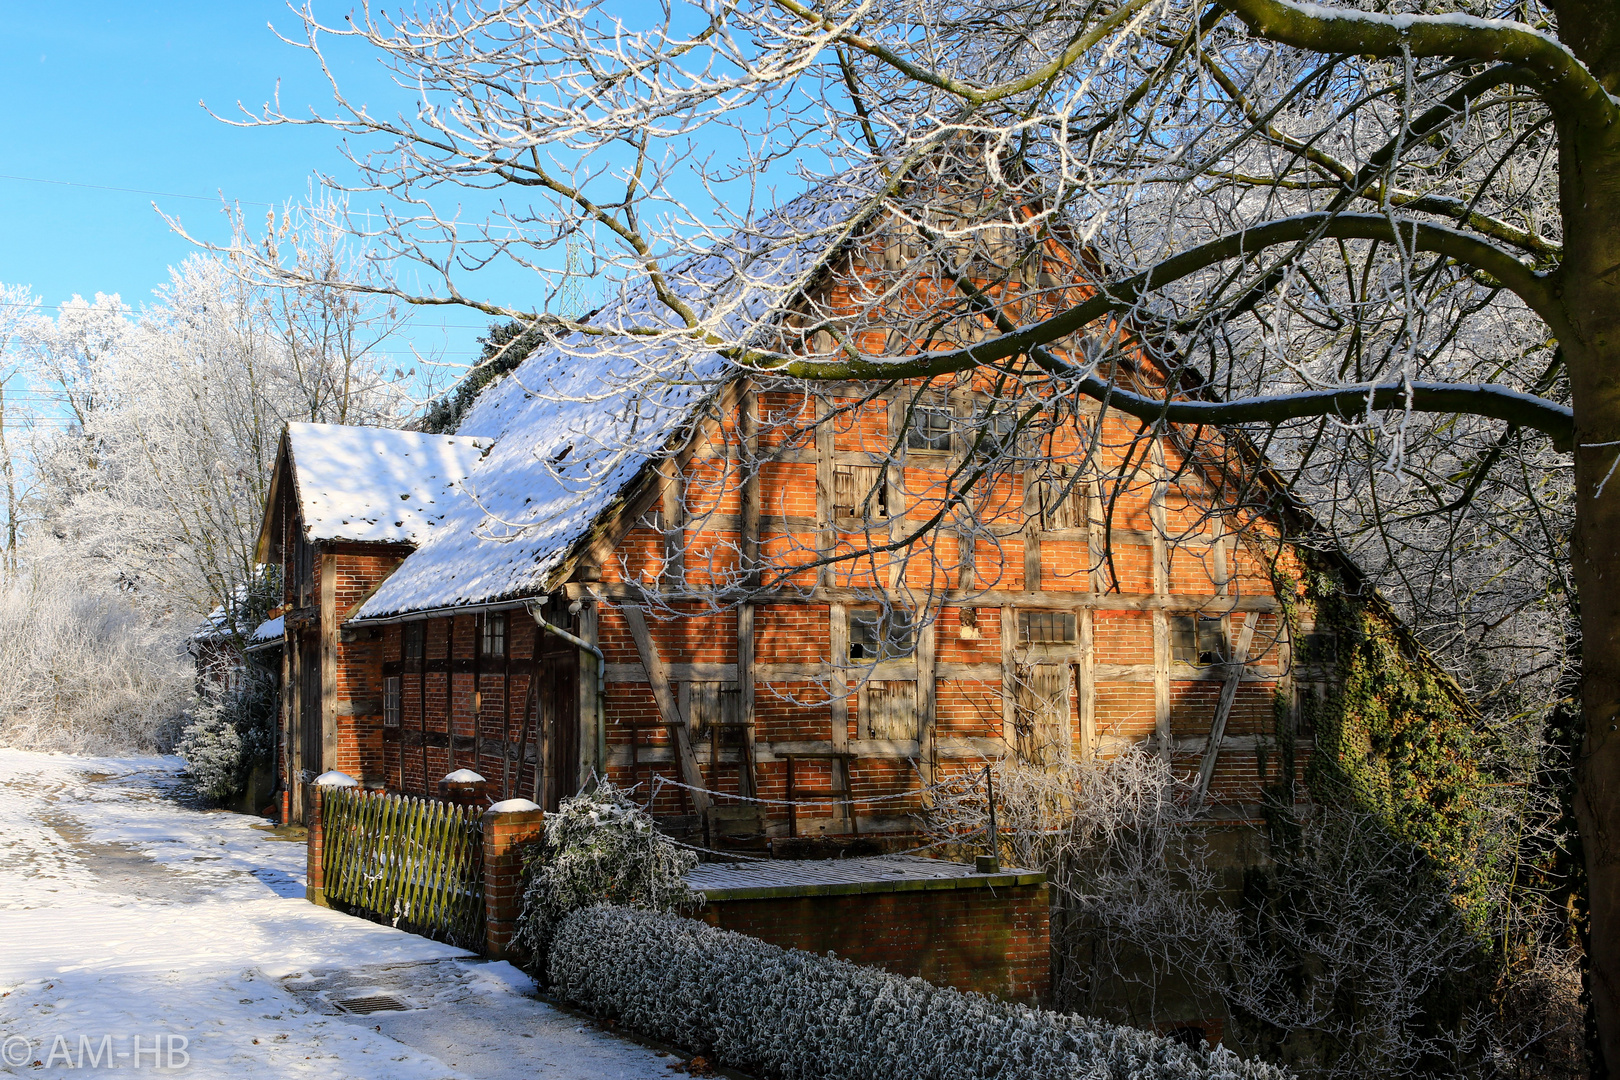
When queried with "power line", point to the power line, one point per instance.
{"points": [[132, 191]]}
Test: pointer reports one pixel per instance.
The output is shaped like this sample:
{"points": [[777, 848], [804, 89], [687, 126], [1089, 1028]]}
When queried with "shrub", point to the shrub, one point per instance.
{"points": [[230, 733], [600, 846], [790, 1014], [86, 672]]}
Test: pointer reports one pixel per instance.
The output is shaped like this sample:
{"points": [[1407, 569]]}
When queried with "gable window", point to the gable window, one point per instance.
{"points": [[995, 434], [413, 640], [881, 635], [1321, 647], [1197, 639], [859, 491], [391, 701], [1060, 500], [930, 428], [1045, 627], [493, 640]]}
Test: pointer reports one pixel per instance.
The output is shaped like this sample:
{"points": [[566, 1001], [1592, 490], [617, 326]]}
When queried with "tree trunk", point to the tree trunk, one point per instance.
{"points": [[1590, 277]]}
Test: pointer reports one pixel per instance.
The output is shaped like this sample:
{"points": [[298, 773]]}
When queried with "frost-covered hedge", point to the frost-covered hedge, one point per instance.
{"points": [[784, 1013]]}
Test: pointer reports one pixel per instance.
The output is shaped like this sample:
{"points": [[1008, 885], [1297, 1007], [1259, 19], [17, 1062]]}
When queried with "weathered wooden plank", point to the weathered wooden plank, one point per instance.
{"points": [[749, 493], [668, 708], [745, 689], [837, 687], [328, 661], [673, 511], [1086, 684], [675, 672], [1009, 671], [1052, 599], [1161, 683], [927, 696], [585, 687]]}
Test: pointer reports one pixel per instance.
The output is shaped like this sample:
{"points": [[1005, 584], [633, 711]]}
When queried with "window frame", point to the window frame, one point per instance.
{"points": [[883, 640], [413, 640], [925, 439], [1076, 505], [1202, 627], [393, 700], [491, 620], [870, 480], [1006, 441], [1066, 622]]}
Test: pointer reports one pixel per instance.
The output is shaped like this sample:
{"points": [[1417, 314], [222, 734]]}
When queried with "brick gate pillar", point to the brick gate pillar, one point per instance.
{"points": [[314, 867], [508, 827]]}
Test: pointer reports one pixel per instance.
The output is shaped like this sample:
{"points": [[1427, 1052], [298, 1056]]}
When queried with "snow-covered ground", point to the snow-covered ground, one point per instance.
{"points": [[136, 932]]}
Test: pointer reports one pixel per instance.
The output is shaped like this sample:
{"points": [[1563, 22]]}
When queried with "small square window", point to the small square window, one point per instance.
{"points": [[995, 433], [1197, 639], [1045, 627], [881, 635], [1321, 647], [413, 640], [930, 428], [493, 640]]}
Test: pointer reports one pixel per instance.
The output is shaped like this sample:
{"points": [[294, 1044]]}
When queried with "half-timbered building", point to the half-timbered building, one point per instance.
{"points": [[737, 583]]}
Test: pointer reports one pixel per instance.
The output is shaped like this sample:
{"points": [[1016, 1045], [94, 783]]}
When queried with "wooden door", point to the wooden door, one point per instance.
{"points": [[1042, 714], [308, 737], [558, 715]]}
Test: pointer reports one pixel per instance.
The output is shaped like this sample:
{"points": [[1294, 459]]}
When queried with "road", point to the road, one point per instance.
{"points": [[139, 932]]}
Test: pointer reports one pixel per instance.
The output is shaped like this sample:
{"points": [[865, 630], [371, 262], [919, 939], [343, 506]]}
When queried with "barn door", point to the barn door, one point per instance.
{"points": [[1041, 724]]}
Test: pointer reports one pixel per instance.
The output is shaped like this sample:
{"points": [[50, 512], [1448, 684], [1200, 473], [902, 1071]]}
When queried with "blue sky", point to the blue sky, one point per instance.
{"points": [[106, 95]]}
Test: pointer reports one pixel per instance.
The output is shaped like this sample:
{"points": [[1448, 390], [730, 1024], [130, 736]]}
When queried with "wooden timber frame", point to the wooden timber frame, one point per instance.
{"points": [[1124, 566], [603, 580]]}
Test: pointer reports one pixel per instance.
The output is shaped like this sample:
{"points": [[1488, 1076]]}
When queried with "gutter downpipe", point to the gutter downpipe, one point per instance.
{"points": [[534, 607]]}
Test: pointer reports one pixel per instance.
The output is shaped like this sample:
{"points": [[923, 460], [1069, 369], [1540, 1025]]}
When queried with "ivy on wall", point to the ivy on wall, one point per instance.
{"points": [[1395, 739]]}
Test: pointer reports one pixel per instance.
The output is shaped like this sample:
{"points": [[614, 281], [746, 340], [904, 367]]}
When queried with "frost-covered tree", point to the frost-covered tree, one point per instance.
{"points": [[1380, 237], [163, 475]]}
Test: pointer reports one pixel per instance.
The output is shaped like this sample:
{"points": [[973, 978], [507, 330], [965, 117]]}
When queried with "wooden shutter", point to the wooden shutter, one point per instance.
{"points": [[715, 702], [891, 710], [859, 491], [1062, 500]]}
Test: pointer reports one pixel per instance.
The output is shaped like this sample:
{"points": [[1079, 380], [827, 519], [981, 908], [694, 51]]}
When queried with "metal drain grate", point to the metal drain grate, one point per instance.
{"points": [[372, 1003]]}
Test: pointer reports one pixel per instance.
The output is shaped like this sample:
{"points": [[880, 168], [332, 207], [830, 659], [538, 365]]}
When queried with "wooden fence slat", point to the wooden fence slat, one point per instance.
{"points": [[374, 897], [407, 855]]}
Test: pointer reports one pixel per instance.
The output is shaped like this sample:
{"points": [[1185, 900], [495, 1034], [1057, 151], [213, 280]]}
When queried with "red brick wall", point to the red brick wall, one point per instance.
{"points": [[994, 941]]}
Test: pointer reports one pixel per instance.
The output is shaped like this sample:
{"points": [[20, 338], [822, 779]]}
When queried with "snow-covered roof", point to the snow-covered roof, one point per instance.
{"points": [[217, 625], [376, 485], [268, 634], [577, 420]]}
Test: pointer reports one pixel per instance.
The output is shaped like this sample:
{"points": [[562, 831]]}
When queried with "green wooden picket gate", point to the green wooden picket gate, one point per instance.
{"points": [[412, 863]]}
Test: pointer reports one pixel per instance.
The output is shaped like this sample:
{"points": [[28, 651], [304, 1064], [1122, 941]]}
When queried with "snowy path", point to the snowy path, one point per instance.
{"points": [[125, 914]]}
